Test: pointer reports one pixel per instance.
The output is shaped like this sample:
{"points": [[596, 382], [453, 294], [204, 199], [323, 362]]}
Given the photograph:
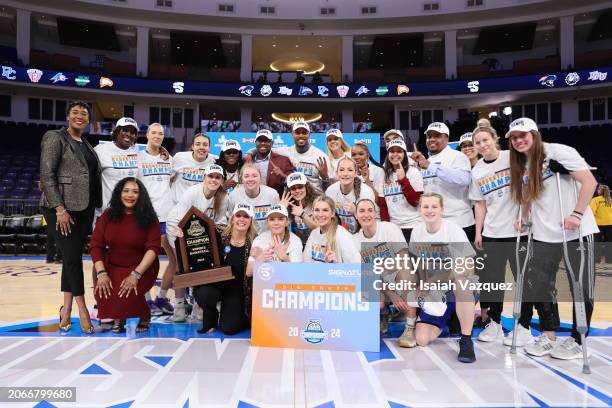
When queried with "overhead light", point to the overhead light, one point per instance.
{"points": [[507, 111], [492, 114], [291, 118], [273, 45]]}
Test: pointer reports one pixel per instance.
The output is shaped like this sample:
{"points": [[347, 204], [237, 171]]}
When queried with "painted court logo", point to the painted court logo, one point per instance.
{"points": [[314, 333]]}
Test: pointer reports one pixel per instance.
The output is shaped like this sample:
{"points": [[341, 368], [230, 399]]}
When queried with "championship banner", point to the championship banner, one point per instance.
{"points": [[313, 306]]}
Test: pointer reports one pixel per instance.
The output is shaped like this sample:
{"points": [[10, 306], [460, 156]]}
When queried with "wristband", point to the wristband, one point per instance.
{"points": [[136, 274], [576, 216], [578, 212], [101, 272]]}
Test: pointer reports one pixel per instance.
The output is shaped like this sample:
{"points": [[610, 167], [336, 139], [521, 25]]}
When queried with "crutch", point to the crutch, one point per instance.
{"points": [[579, 300], [520, 275]]}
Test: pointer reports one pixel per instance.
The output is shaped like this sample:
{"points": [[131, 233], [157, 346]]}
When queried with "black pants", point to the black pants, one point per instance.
{"points": [[470, 232], [71, 247], [231, 296], [407, 233], [541, 285]]}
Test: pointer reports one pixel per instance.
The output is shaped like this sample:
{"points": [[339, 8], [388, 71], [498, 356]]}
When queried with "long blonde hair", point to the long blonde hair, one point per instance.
{"points": [[356, 181], [523, 193], [343, 145], [250, 234], [330, 235], [605, 192], [250, 166], [219, 199]]}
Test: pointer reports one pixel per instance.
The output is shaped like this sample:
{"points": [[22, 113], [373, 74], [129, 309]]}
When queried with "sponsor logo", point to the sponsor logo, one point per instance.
{"points": [[34, 74], [323, 91], [179, 87], [106, 82], [314, 333], [82, 80], [195, 229], [9, 73], [548, 80], [283, 90], [304, 90], [382, 90], [597, 76], [266, 90], [362, 90], [246, 89], [265, 272], [59, 77], [572, 78], [342, 90], [473, 86], [402, 89]]}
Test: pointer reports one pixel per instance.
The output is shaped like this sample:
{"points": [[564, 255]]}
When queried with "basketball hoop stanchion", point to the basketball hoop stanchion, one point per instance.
{"points": [[521, 269]]}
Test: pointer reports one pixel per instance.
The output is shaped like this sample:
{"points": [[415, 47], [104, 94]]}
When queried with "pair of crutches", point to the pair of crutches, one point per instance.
{"points": [[575, 280]]}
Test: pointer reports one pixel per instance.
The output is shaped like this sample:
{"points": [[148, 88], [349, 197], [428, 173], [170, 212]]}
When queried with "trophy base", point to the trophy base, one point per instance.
{"points": [[186, 280]]}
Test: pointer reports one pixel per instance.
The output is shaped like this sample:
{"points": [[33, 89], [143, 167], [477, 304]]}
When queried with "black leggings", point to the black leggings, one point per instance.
{"points": [[71, 247], [231, 296], [542, 278]]}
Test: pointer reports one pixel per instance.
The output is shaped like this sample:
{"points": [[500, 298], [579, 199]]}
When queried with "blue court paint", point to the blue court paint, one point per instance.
{"points": [[161, 360], [44, 404], [95, 369], [186, 404], [384, 354], [539, 401], [122, 405], [242, 404], [329, 404]]}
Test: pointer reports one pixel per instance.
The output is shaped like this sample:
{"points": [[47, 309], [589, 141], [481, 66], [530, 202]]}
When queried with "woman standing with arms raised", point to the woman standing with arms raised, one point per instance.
{"points": [[71, 190]]}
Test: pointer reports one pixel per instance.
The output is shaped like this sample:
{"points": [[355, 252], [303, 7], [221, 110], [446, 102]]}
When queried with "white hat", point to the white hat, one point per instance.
{"points": [[334, 132], [397, 143], [393, 132], [265, 133], [230, 144], [127, 122], [296, 178], [438, 127], [214, 168], [278, 209], [300, 124], [522, 125], [466, 137], [248, 209]]}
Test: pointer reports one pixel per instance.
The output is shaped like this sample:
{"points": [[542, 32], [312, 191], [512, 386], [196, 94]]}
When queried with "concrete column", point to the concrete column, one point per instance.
{"points": [[347, 120], [24, 35], [141, 113], [246, 58], [19, 108], [569, 112], [347, 58], [450, 53], [142, 51], [566, 41], [246, 114]]}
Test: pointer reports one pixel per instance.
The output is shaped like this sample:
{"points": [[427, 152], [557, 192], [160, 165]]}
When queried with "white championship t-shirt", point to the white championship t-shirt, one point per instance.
{"points": [[387, 242], [491, 184], [377, 176], [155, 174], [116, 164], [457, 206], [307, 163], [347, 250], [261, 204], [401, 212], [449, 233], [545, 211], [189, 172], [264, 241], [194, 197], [348, 220]]}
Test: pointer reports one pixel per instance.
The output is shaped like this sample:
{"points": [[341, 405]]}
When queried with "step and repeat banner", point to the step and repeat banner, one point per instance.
{"points": [[313, 306]]}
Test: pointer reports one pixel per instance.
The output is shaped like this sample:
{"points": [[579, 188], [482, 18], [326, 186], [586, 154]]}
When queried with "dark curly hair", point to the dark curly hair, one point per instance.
{"points": [[221, 161], [144, 211]]}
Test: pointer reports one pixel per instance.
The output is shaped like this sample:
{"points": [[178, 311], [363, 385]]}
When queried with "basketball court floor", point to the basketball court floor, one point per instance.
{"points": [[174, 366]]}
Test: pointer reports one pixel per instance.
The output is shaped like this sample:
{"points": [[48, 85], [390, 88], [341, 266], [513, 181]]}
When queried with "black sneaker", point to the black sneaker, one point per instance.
{"points": [[466, 350]]}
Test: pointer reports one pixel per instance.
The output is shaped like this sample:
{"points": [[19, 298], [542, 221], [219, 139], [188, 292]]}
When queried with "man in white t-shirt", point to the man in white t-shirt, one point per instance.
{"points": [[448, 173]]}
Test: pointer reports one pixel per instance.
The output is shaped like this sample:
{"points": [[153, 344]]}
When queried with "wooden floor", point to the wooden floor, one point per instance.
{"points": [[31, 289]]}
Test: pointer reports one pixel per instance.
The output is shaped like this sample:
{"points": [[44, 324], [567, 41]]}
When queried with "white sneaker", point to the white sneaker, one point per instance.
{"points": [[179, 315], [568, 349], [196, 312], [523, 337], [491, 332], [542, 346]]}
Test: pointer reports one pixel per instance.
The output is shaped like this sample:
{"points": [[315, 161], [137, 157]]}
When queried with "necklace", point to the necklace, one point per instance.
{"points": [[237, 243]]}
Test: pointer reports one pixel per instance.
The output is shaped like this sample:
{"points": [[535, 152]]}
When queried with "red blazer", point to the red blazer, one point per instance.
{"points": [[284, 164]]}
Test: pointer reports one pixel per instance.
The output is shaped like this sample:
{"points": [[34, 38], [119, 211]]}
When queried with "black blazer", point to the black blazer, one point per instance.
{"points": [[64, 175]]}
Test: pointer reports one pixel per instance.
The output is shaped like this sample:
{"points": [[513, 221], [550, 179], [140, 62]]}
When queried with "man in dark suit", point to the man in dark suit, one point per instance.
{"points": [[273, 166]]}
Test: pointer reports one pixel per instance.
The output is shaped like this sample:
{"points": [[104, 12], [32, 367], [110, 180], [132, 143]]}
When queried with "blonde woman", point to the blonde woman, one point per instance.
{"points": [[602, 210], [299, 198], [233, 295], [327, 242], [336, 150]]}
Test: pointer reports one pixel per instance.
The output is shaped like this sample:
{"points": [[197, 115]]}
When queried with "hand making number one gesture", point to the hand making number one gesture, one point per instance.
{"points": [[419, 158]]}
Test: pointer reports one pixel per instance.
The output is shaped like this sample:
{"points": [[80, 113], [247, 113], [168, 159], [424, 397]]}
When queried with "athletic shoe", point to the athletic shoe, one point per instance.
{"points": [[164, 305], [197, 313], [466, 350], [491, 332], [155, 311], [542, 346], [408, 338], [523, 337], [568, 349], [179, 315]]}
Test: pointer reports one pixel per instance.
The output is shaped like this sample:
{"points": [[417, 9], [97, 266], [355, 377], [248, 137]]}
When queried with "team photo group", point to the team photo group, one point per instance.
{"points": [[300, 204]]}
